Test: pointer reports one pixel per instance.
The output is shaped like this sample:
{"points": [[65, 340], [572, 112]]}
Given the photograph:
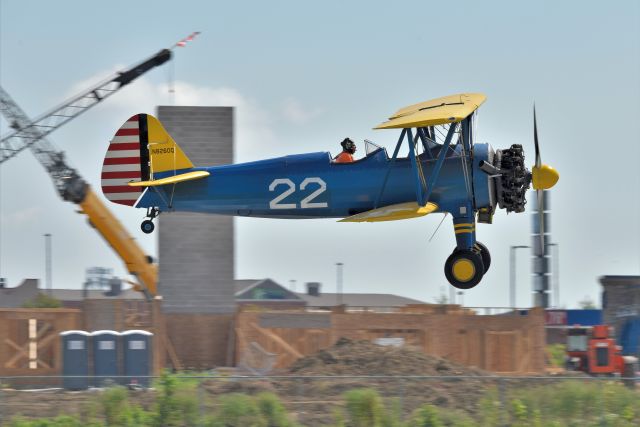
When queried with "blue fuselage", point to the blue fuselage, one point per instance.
{"points": [[312, 186]]}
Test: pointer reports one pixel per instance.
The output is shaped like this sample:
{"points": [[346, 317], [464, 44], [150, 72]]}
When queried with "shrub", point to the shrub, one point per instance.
{"points": [[364, 408], [577, 403], [426, 416], [272, 410], [176, 403], [115, 406], [42, 301], [238, 410], [557, 354]]}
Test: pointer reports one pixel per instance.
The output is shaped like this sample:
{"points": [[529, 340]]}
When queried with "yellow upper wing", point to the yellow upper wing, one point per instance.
{"points": [[449, 109], [393, 212]]}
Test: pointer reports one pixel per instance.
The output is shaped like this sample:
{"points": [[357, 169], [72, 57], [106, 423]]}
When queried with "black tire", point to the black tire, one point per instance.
{"points": [[484, 253], [147, 226], [464, 268]]}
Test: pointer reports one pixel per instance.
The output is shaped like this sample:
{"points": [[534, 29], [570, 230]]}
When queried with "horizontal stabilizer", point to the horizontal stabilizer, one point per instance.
{"points": [[393, 212], [189, 176]]}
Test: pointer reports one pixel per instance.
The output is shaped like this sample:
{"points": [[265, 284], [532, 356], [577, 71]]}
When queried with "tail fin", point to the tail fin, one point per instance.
{"points": [[140, 149]]}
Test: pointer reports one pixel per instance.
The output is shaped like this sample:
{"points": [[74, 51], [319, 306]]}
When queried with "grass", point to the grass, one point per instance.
{"points": [[567, 403]]}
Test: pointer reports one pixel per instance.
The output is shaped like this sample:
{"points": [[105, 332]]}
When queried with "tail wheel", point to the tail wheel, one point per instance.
{"points": [[484, 254], [147, 226], [464, 268]]}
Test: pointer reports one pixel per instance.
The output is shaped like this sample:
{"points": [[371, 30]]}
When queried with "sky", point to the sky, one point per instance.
{"points": [[304, 75]]}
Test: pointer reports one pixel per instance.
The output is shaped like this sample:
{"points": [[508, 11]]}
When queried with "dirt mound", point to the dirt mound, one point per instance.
{"points": [[349, 357]]}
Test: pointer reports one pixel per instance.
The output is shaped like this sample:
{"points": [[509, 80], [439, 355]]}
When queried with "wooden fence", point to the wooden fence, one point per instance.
{"points": [[30, 341], [508, 343]]}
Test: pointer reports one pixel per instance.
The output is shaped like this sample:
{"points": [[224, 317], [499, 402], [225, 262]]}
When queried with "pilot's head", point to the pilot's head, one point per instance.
{"points": [[348, 145]]}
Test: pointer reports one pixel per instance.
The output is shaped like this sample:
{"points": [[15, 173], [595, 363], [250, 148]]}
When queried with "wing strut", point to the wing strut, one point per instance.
{"points": [[467, 150], [436, 169], [417, 170], [391, 162], [423, 189]]}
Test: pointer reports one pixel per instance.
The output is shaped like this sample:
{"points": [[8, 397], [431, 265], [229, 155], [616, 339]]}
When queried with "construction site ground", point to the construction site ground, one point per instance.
{"points": [[312, 389]]}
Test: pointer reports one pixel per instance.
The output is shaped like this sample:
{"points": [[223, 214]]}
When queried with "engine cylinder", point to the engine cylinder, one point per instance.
{"points": [[514, 179]]}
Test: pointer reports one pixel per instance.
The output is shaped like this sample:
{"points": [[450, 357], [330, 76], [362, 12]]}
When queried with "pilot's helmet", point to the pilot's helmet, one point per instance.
{"points": [[348, 145]]}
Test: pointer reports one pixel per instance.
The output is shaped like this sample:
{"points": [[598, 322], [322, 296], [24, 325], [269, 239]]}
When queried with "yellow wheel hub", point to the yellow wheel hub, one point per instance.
{"points": [[463, 270]]}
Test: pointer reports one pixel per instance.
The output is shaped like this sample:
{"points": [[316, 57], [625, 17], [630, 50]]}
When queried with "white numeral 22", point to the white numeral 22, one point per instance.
{"points": [[305, 203]]}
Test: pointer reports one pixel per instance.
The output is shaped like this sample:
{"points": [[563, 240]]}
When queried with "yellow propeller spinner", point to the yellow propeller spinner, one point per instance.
{"points": [[544, 177]]}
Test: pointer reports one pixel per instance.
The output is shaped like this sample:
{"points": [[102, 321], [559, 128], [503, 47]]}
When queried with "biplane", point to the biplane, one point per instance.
{"points": [[444, 172]]}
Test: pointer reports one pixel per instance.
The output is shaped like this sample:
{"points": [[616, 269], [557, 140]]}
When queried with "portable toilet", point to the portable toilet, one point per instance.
{"points": [[75, 359], [137, 357], [105, 357]]}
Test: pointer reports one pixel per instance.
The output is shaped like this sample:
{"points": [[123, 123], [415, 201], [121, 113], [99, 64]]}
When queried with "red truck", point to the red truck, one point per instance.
{"points": [[591, 350]]}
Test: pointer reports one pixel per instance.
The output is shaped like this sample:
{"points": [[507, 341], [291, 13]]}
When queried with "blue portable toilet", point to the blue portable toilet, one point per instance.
{"points": [[75, 359], [137, 356], [106, 345]]}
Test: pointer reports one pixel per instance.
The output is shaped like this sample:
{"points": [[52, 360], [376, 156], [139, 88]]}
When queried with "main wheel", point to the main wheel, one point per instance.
{"points": [[464, 268], [484, 253], [147, 226]]}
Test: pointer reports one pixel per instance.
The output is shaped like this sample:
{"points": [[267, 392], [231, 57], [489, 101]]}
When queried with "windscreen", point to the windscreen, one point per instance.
{"points": [[577, 343], [370, 147]]}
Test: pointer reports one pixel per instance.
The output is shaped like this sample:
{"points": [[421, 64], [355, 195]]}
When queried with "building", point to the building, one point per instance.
{"points": [[621, 309], [559, 321], [266, 293], [29, 289], [379, 302]]}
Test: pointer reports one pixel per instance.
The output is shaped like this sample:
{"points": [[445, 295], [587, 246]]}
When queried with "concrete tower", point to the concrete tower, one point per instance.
{"points": [[196, 251]]}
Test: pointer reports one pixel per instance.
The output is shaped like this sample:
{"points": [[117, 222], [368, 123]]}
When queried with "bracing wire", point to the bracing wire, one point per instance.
{"points": [[438, 227], [419, 163]]}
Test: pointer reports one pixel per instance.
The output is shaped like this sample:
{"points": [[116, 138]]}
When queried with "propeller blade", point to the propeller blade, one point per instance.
{"points": [[540, 195], [535, 137]]}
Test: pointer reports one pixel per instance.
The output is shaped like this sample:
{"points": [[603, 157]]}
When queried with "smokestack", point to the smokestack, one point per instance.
{"points": [[540, 256]]}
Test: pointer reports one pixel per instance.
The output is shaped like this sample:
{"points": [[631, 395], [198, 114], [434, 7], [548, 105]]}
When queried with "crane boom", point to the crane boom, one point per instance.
{"points": [[68, 182], [72, 187], [137, 262], [27, 134]]}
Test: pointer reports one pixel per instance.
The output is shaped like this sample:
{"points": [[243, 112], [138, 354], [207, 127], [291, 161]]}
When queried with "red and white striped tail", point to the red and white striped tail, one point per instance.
{"points": [[126, 160]]}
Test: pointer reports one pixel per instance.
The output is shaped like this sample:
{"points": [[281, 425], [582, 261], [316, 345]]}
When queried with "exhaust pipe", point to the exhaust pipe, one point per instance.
{"points": [[489, 168]]}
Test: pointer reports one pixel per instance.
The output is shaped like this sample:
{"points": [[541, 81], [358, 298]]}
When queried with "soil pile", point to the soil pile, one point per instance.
{"points": [[349, 357]]}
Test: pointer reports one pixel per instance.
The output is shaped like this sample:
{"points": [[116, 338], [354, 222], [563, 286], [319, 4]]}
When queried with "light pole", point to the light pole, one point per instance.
{"points": [[512, 273], [339, 282], [47, 261], [292, 285]]}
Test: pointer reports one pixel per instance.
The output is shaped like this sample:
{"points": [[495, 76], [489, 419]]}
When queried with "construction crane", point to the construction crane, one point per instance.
{"points": [[68, 182]]}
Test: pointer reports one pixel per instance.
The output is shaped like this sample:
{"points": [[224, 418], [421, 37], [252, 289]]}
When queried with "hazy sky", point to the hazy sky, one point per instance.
{"points": [[303, 75]]}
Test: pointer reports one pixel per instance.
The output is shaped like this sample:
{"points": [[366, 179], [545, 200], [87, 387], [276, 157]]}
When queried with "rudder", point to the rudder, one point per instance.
{"points": [[140, 149]]}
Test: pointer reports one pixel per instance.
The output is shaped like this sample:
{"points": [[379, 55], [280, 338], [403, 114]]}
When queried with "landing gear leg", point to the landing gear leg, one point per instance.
{"points": [[464, 267], [147, 225]]}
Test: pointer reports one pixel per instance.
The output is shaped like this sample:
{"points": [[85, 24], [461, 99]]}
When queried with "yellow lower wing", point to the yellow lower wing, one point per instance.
{"points": [[189, 176], [393, 212]]}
